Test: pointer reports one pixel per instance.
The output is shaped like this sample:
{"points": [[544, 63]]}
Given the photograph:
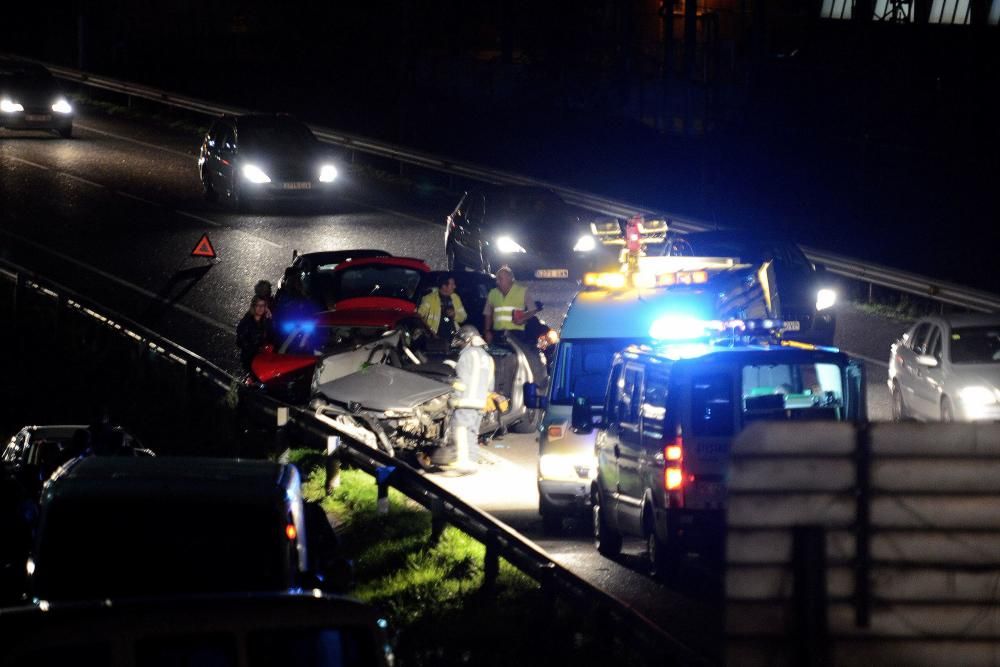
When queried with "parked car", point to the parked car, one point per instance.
{"points": [[530, 229], [264, 156], [238, 630], [667, 426], [947, 368], [804, 296], [30, 99], [114, 526]]}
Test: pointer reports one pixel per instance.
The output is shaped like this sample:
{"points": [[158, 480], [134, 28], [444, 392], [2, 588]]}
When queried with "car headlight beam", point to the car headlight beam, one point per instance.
{"points": [[585, 243], [977, 395], [506, 244], [10, 106], [62, 106], [563, 467], [825, 298], [328, 173], [255, 174]]}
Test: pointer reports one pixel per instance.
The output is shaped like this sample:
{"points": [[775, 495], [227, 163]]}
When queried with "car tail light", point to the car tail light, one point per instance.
{"points": [[673, 453], [673, 479], [290, 532], [555, 432]]}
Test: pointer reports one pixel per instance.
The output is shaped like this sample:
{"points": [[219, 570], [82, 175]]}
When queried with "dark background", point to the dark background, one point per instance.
{"points": [[872, 138]]}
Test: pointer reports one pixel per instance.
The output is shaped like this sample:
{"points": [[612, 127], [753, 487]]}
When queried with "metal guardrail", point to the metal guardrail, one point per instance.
{"points": [[500, 540], [866, 272]]}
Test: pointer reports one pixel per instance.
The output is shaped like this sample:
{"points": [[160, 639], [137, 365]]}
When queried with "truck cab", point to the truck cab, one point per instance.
{"points": [[667, 423]]}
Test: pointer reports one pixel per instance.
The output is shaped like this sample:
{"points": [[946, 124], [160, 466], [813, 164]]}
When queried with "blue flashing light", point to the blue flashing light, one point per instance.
{"points": [[306, 326], [678, 327], [288, 327]]}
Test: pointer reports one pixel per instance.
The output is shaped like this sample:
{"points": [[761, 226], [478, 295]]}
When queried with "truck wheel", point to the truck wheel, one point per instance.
{"points": [[529, 423], [606, 539], [663, 558]]}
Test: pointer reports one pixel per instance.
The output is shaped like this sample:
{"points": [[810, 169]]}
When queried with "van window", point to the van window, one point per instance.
{"points": [[793, 391], [654, 404], [712, 405], [627, 410], [582, 367]]}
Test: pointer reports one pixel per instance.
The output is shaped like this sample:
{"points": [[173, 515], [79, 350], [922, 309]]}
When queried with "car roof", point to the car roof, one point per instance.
{"points": [[54, 430], [105, 475], [406, 262]]}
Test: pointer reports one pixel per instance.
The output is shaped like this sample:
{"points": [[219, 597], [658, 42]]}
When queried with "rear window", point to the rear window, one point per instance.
{"points": [[712, 405], [398, 282], [117, 546], [793, 392]]}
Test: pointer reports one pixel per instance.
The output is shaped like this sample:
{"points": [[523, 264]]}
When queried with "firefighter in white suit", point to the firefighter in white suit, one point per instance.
{"points": [[473, 386]]}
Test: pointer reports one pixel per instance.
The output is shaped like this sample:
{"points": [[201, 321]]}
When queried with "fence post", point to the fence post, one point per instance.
{"points": [[332, 463], [862, 528], [809, 595], [491, 562], [382, 475], [438, 521], [281, 416]]}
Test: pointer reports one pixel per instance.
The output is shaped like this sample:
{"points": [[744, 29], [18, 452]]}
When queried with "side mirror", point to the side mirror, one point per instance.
{"points": [[582, 420], [927, 360], [532, 400]]}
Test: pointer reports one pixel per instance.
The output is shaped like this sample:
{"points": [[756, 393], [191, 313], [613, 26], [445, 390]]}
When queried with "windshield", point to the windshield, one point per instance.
{"points": [[793, 391], [582, 368], [281, 135], [397, 282], [975, 345]]}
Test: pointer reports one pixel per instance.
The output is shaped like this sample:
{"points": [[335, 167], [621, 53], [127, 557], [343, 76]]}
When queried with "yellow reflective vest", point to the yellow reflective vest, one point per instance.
{"points": [[430, 310], [504, 307]]}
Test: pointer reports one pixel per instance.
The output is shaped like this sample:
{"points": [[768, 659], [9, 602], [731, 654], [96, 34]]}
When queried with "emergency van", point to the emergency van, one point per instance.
{"points": [[668, 420], [613, 311]]}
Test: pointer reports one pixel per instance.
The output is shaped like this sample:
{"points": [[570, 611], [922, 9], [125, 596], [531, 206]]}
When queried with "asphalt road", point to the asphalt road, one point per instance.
{"points": [[115, 212]]}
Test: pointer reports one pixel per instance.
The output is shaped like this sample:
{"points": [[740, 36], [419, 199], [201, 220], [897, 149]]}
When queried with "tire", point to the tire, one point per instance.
{"points": [[529, 423], [947, 411], [663, 557], [898, 408], [606, 539]]}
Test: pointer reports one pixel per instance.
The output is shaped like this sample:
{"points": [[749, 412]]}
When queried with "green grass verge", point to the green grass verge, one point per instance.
{"points": [[904, 310], [433, 594], [169, 119]]}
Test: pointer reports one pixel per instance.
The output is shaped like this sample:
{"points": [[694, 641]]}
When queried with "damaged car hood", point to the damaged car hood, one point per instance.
{"points": [[382, 388]]}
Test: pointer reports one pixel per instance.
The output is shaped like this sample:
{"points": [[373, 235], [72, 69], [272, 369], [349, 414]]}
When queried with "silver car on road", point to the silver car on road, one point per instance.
{"points": [[947, 368]]}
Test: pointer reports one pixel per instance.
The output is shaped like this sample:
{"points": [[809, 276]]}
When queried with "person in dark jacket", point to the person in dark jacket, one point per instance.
{"points": [[254, 331]]}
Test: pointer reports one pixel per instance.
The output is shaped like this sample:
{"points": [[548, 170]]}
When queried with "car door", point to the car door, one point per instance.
{"points": [[225, 167], [927, 385], [655, 433], [629, 450], [907, 373], [466, 221], [607, 442]]}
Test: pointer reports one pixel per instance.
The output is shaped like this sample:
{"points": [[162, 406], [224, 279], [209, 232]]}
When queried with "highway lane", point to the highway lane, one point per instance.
{"points": [[115, 213]]}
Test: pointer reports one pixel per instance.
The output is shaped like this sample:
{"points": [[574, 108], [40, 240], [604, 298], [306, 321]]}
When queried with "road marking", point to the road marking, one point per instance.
{"points": [[135, 141], [207, 221], [883, 364], [228, 328], [389, 211], [214, 223], [136, 198], [33, 164]]}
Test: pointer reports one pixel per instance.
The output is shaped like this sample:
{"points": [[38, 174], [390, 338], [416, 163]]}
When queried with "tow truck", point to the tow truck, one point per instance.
{"points": [[615, 309]]}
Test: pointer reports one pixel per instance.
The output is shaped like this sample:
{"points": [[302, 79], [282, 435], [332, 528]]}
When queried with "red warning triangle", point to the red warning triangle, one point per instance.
{"points": [[204, 248]]}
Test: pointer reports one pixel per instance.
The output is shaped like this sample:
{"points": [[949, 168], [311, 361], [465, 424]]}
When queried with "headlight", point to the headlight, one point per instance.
{"points": [[507, 245], [585, 244], [327, 173], [977, 395], [62, 106], [255, 174], [825, 298], [563, 466], [8, 106]]}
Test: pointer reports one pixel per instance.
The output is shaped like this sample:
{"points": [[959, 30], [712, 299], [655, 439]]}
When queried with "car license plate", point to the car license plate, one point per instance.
{"points": [[37, 117], [552, 273], [297, 185], [790, 325]]}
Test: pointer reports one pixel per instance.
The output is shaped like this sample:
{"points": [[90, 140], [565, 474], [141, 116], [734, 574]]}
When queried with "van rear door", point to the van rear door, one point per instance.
{"points": [[710, 421]]}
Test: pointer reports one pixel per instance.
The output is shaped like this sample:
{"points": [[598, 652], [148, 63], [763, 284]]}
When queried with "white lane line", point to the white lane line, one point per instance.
{"points": [[883, 364], [136, 198], [121, 281], [389, 211], [81, 179], [135, 141], [28, 162], [214, 223]]}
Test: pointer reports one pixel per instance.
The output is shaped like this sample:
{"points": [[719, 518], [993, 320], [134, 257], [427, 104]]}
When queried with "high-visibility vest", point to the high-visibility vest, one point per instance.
{"points": [[430, 310], [504, 307]]}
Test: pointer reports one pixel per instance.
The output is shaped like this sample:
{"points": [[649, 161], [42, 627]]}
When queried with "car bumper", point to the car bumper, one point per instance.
{"points": [[564, 497], [284, 191], [543, 266], [36, 120], [818, 328], [696, 530]]}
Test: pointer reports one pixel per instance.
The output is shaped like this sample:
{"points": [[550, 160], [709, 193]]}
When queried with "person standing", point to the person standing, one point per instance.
{"points": [[473, 385], [506, 308], [254, 331], [442, 309]]}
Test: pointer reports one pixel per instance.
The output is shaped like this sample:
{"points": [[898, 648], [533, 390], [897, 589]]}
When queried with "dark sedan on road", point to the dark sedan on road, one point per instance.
{"points": [[804, 292], [30, 99], [264, 156], [530, 229]]}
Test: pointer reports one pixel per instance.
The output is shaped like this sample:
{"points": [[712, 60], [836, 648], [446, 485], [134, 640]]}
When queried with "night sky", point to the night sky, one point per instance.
{"points": [[873, 139]]}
